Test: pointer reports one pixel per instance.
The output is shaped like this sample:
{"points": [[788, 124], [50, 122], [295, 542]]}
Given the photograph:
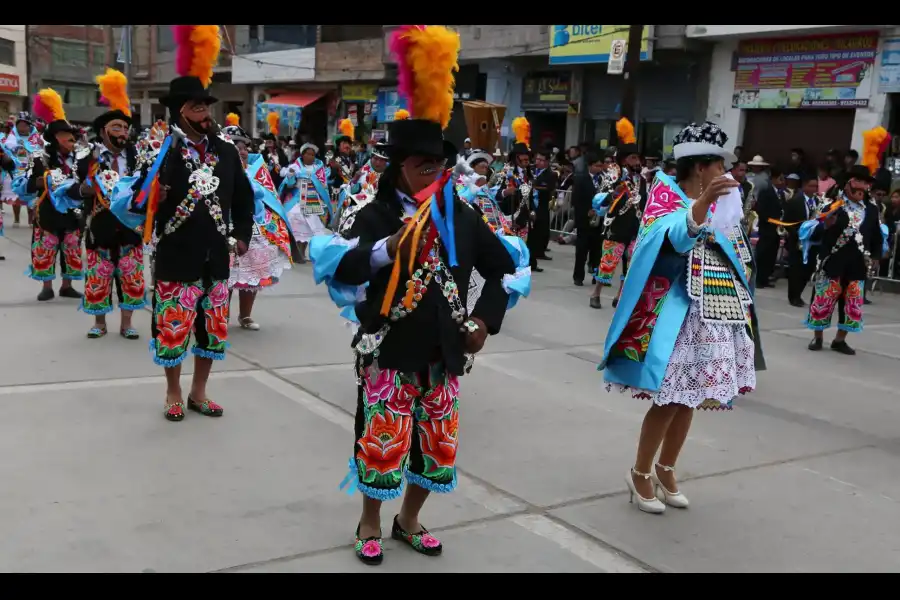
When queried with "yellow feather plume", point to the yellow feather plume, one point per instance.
{"points": [[522, 130], [206, 45], [432, 57], [346, 128], [273, 120], [401, 114], [232, 120], [114, 87], [873, 147], [53, 104], [625, 131]]}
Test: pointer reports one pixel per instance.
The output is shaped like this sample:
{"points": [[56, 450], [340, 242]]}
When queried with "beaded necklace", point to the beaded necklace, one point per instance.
{"points": [[203, 186]]}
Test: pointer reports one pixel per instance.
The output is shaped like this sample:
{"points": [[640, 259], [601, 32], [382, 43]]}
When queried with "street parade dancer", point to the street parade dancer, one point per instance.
{"points": [[272, 246], [199, 207], [676, 339], [404, 266], [342, 166], [114, 251], [514, 184], [52, 184], [624, 207], [272, 153], [305, 196], [23, 142], [849, 236], [473, 188], [362, 188]]}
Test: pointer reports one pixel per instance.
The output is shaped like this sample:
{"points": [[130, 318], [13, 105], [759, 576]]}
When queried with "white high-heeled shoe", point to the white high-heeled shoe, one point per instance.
{"points": [[647, 505], [676, 500]]}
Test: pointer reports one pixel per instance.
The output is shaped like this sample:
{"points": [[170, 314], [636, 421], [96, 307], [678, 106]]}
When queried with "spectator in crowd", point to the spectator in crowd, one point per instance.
{"points": [[891, 220], [737, 152], [792, 182], [499, 161], [769, 205], [589, 243], [759, 174], [739, 172], [467, 149], [850, 159], [799, 208], [825, 180], [573, 152], [798, 162]]}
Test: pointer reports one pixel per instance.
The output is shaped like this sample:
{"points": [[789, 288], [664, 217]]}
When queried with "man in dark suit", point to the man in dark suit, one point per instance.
{"points": [[801, 207], [769, 206], [589, 243], [545, 182]]}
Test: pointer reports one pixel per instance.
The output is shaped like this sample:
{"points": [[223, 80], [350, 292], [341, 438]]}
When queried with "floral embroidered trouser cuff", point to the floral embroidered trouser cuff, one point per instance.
{"points": [[123, 266], [179, 307], [46, 246], [406, 423], [846, 295], [611, 256]]}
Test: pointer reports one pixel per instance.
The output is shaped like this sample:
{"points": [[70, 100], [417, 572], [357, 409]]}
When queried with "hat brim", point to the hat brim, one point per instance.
{"points": [[688, 149], [479, 156], [754, 163]]}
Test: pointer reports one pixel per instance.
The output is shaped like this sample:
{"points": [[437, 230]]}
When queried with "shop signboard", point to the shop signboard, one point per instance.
{"points": [[889, 74], [827, 71], [547, 90], [389, 102], [591, 44]]}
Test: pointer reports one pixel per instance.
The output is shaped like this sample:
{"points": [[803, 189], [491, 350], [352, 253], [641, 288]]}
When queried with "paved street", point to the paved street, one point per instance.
{"points": [[803, 476]]}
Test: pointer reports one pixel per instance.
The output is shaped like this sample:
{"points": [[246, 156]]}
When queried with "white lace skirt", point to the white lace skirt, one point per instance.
{"points": [[6, 191], [710, 366], [260, 267], [305, 227]]}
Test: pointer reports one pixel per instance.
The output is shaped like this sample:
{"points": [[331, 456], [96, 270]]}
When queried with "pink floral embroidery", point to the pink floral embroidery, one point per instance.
{"points": [[401, 403], [635, 338], [371, 549], [166, 290], [438, 404], [106, 269], [218, 296], [72, 240], [190, 294], [127, 265], [853, 302], [382, 388], [429, 541], [92, 259], [50, 240]]}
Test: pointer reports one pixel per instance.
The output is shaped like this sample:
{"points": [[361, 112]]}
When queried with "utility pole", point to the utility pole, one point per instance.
{"points": [[632, 62]]}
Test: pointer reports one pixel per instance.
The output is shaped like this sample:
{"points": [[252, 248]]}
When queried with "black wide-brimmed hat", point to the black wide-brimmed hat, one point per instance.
{"points": [[858, 172], [518, 149], [110, 115], [626, 150], [185, 89], [59, 126], [415, 137]]}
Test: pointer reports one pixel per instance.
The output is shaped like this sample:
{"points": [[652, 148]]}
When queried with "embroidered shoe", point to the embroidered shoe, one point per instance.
{"points": [[369, 550], [175, 412], [208, 408], [422, 542]]}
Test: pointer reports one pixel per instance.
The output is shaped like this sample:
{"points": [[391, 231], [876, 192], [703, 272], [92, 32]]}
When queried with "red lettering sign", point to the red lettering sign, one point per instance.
{"points": [[9, 83]]}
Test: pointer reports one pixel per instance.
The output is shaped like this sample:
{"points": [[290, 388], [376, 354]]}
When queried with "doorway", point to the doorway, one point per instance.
{"points": [[772, 133]]}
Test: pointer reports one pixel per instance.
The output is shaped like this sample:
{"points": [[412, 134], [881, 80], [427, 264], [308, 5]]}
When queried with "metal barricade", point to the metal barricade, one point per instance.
{"points": [[562, 216]]}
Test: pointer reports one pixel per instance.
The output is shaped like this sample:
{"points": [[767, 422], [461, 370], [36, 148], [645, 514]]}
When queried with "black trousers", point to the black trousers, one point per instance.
{"points": [[766, 255], [588, 249], [798, 273], [539, 236]]}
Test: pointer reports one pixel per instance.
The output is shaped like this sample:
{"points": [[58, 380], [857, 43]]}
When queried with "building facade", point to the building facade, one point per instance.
{"points": [[13, 69], [67, 58], [776, 87]]}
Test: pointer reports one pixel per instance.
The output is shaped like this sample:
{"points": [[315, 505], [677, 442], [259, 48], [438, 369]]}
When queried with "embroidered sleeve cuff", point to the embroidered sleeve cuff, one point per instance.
{"points": [[380, 257], [693, 229]]}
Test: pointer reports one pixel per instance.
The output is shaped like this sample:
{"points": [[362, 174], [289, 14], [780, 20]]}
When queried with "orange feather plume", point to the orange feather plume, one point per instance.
{"points": [[198, 50], [427, 57], [114, 87], [522, 130], [401, 114], [875, 142], [346, 128], [232, 120], [49, 106], [625, 131], [273, 120]]}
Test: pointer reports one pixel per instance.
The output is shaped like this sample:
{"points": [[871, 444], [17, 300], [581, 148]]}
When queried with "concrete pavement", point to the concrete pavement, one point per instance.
{"points": [[803, 476]]}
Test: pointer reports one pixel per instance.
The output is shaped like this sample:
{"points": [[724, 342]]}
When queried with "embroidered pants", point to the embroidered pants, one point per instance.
{"points": [[846, 295], [123, 266], [612, 254], [406, 423], [47, 245], [175, 312]]}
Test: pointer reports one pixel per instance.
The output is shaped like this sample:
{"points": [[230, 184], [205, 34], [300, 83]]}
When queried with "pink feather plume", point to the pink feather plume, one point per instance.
{"points": [[399, 47], [184, 54], [41, 110]]}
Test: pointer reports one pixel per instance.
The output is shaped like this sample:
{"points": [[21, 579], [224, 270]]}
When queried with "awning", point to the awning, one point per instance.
{"points": [[301, 99], [289, 106]]}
